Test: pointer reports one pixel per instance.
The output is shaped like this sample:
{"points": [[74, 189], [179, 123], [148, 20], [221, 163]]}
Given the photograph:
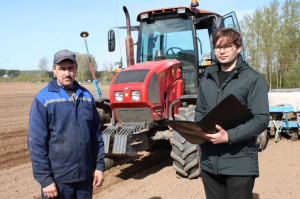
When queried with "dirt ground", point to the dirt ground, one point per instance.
{"points": [[149, 176]]}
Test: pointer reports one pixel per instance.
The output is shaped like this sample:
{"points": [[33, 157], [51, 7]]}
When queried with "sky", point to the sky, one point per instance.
{"points": [[34, 29]]}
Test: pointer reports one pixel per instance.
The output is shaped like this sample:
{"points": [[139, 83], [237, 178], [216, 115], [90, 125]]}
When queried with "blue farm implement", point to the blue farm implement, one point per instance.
{"points": [[284, 113]]}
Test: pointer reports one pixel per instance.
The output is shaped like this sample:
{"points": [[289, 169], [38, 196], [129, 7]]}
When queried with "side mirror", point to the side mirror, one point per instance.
{"points": [[111, 41]]}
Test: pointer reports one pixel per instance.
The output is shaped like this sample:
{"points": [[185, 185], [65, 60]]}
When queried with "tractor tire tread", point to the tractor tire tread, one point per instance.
{"points": [[186, 156]]}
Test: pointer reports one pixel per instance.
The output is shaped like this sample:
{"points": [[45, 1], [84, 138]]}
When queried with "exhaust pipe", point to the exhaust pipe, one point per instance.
{"points": [[129, 41]]}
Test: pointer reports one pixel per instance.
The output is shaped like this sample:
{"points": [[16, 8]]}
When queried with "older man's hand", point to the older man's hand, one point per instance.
{"points": [[98, 178], [50, 191]]}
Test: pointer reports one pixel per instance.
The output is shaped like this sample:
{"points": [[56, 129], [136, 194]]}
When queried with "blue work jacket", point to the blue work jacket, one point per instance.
{"points": [[64, 137]]}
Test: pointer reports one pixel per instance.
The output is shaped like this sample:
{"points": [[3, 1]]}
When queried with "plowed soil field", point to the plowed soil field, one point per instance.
{"points": [[149, 175]]}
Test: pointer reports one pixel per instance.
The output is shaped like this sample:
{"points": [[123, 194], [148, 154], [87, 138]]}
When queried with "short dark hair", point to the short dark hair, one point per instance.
{"points": [[228, 36]]}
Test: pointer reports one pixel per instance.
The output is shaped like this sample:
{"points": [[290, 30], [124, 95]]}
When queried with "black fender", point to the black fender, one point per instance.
{"points": [[104, 103]]}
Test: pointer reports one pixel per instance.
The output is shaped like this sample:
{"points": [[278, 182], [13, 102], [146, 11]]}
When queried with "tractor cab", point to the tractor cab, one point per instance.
{"points": [[182, 33]]}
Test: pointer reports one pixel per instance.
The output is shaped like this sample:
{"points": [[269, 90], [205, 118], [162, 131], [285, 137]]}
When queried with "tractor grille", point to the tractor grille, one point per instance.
{"points": [[134, 114]]}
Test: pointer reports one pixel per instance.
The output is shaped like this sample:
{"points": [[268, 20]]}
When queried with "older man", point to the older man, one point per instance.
{"points": [[64, 138]]}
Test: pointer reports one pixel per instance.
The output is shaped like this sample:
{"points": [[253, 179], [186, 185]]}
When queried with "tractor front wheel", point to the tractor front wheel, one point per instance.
{"points": [[186, 156]]}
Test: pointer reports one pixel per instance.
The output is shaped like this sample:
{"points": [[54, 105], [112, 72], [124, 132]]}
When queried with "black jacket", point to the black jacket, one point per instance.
{"points": [[238, 156]]}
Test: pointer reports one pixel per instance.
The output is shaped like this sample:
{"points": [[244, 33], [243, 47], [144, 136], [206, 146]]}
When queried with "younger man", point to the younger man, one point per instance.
{"points": [[229, 159]]}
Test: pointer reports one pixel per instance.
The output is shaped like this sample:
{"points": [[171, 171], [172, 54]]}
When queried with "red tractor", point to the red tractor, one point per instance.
{"points": [[174, 46]]}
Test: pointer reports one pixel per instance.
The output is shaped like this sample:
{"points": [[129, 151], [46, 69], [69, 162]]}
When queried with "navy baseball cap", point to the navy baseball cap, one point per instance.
{"points": [[62, 55]]}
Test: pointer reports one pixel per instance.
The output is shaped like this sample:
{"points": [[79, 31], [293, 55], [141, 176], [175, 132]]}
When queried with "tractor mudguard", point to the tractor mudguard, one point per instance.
{"points": [[104, 111]]}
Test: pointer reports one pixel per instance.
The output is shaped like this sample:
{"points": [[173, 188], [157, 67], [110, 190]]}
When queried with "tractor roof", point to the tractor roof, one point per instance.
{"points": [[170, 10]]}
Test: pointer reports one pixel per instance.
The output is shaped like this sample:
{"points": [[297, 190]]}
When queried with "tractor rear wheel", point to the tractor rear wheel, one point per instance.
{"points": [[186, 156], [294, 136]]}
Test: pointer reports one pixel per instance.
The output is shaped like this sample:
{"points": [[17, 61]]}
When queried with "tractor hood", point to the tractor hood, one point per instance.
{"points": [[142, 92]]}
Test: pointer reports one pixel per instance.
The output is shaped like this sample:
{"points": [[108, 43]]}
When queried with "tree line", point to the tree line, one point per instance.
{"points": [[272, 43], [13, 73], [84, 72], [45, 74]]}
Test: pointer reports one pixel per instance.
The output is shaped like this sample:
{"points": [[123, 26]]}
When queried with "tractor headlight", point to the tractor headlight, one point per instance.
{"points": [[119, 96], [144, 15], [135, 96], [181, 10]]}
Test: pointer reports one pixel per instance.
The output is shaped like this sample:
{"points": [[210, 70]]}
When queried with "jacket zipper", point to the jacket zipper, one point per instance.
{"points": [[218, 96]]}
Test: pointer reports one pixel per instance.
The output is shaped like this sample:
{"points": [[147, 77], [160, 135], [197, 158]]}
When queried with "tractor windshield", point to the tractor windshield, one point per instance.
{"points": [[173, 38]]}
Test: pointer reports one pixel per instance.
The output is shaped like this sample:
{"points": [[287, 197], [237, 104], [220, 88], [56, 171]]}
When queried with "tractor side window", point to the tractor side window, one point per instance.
{"points": [[150, 43], [204, 42], [204, 49], [230, 21]]}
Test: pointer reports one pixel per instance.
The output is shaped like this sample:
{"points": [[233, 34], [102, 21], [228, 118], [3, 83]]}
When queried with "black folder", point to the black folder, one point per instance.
{"points": [[229, 113]]}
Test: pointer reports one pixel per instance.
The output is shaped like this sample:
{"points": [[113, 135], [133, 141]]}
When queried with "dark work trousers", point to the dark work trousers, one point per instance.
{"points": [[227, 186], [74, 190]]}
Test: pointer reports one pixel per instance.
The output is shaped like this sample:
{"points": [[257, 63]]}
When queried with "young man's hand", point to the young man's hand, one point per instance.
{"points": [[220, 137], [50, 191], [98, 178]]}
